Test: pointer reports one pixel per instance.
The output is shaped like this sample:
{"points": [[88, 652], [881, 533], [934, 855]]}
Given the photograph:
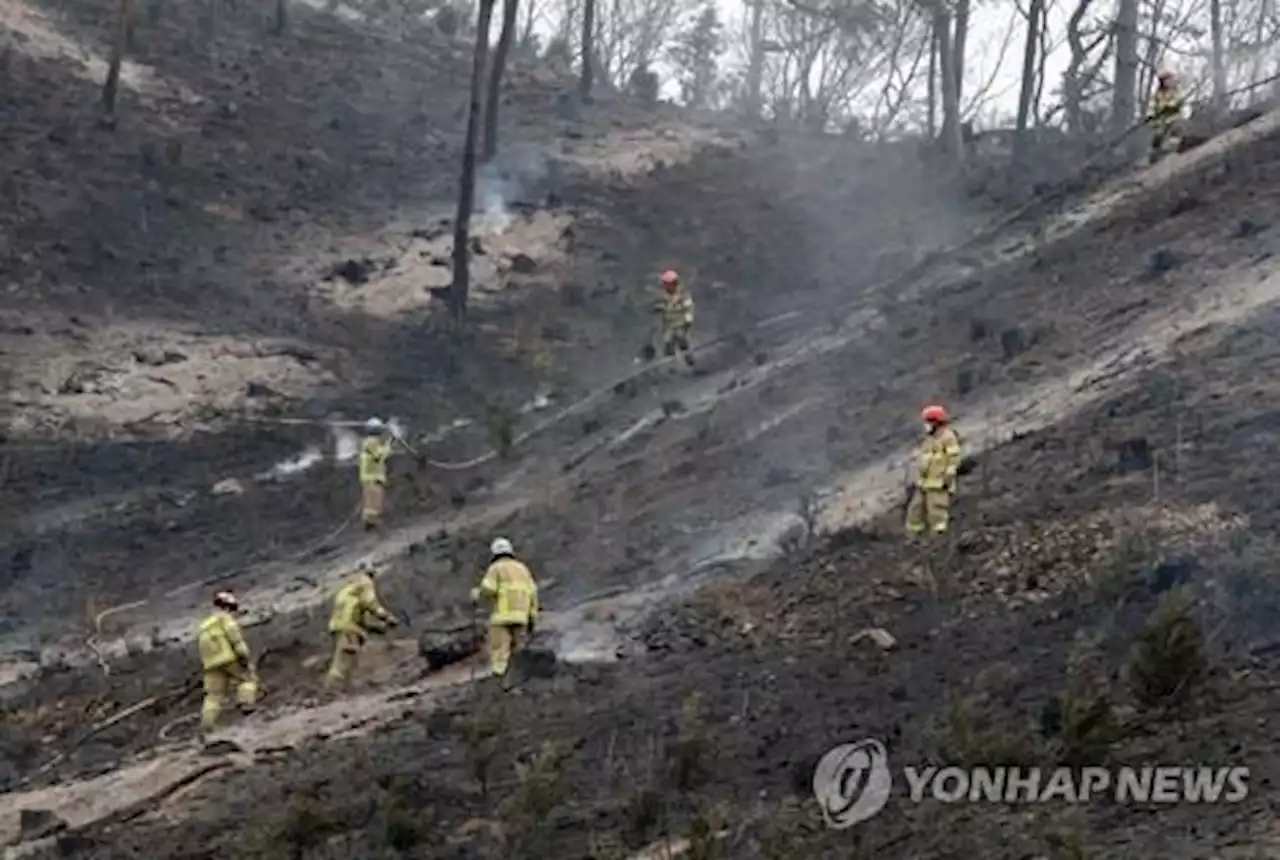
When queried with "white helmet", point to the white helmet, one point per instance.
{"points": [[226, 600], [501, 546], [373, 425]]}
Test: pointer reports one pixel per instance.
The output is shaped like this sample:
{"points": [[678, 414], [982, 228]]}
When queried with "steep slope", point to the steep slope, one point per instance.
{"points": [[1136, 370]]}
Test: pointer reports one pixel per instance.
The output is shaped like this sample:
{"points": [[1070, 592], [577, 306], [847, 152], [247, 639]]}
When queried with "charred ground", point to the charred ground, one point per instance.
{"points": [[1067, 537]]}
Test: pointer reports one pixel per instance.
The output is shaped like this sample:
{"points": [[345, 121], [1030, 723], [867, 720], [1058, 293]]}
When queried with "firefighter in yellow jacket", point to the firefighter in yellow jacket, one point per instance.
{"points": [[226, 661], [939, 462], [375, 450], [675, 308], [355, 608], [509, 584], [1165, 115]]}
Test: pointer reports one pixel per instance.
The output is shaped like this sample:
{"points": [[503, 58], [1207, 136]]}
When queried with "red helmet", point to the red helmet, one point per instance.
{"points": [[670, 280], [226, 600], [934, 415]]}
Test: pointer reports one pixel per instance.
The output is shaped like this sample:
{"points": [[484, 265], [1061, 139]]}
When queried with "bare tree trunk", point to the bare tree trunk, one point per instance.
{"points": [[509, 24], [282, 17], [460, 287], [1027, 92], [933, 82], [124, 35], [1072, 78], [755, 61], [588, 49], [952, 135], [1219, 62], [1126, 80], [961, 39]]}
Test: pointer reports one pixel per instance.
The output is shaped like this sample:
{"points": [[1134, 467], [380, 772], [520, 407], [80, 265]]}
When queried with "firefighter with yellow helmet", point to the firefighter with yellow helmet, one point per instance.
{"points": [[357, 612]]}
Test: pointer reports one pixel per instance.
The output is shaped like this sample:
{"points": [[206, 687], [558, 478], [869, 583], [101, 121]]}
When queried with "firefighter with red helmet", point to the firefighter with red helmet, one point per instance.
{"points": [[938, 464], [675, 309], [1165, 115], [226, 661]]}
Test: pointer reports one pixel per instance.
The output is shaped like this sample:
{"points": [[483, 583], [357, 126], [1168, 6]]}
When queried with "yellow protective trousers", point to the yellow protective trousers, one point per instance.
{"points": [[346, 658], [373, 494], [218, 682], [929, 509], [505, 640], [675, 341]]}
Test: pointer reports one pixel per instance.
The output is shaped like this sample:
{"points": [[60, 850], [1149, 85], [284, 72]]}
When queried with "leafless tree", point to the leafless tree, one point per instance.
{"points": [[586, 82], [952, 139], [510, 11], [460, 286], [1126, 75], [1027, 91], [632, 34], [125, 19], [1219, 59]]}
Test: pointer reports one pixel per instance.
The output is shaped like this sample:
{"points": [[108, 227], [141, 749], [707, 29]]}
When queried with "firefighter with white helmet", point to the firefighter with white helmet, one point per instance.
{"points": [[375, 450], [509, 585]]}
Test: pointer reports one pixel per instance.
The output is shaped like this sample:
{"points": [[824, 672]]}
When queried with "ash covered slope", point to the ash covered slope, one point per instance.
{"points": [[1066, 542]]}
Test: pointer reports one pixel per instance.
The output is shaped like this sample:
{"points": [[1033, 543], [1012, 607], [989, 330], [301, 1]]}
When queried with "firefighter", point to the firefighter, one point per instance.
{"points": [[509, 584], [375, 449], [675, 309], [350, 624], [226, 661], [939, 461], [1165, 115]]}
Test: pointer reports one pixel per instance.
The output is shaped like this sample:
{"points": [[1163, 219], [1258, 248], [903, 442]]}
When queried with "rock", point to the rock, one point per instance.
{"points": [[1133, 455], [1013, 342], [878, 635], [441, 648], [258, 389], [228, 487], [38, 824], [534, 661], [523, 264], [1163, 260], [158, 358], [352, 271]]}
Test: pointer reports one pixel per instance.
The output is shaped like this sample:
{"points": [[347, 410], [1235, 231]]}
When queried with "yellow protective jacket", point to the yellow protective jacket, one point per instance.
{"points": [[676, 310], [374, 452], [1166, 104], [354, 601], [939, 460], [510, 585], [221, 642]]}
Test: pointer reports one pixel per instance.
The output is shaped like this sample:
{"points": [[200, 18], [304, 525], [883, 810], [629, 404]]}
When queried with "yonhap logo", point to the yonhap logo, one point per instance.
{"points": [[852, 783]]}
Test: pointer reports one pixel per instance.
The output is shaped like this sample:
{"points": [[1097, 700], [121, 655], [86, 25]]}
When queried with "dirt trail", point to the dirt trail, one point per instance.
{"points": [[142, 787]]}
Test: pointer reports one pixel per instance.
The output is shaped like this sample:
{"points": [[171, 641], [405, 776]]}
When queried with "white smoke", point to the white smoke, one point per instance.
{"points": [[494, 189], [292, 466], [517, 170]]}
